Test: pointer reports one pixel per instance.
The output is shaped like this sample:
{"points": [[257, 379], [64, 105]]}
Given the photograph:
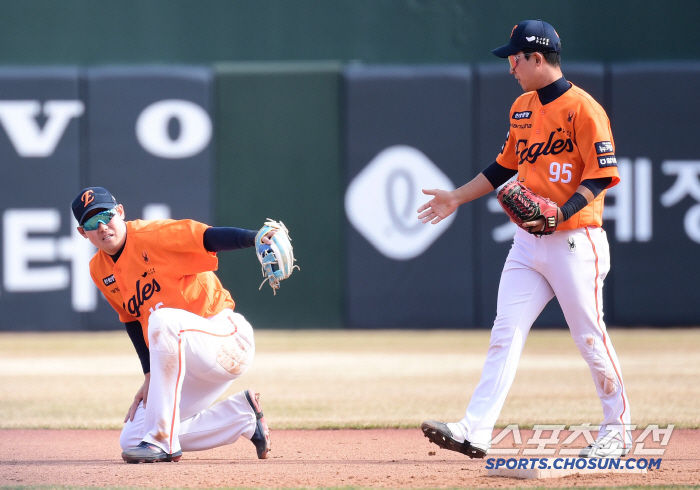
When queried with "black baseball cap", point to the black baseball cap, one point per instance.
{"points": [[91, 198], [530, 35]]}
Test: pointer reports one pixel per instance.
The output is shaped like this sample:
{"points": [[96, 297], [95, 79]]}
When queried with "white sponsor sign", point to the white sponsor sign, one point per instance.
{"points": [[18, 118], [32, 263], [31, 140], [195, 129], [687, 183], [382, 200]]}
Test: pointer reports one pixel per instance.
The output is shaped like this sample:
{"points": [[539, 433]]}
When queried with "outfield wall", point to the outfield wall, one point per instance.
{"points": [[339, 152], [88, 32]]}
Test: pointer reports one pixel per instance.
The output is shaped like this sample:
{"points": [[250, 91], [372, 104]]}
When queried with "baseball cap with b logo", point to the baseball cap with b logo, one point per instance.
{"points": [[530, 35], [91, 198]]}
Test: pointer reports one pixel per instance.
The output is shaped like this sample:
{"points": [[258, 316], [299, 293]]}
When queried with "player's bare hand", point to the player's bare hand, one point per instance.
{"points": [[534, 226], [142, 394], [266, 239], [438, 208], [538, 224]]}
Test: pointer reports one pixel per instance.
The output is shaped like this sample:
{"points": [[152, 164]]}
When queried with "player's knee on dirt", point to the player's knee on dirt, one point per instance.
{"points": [[164, 330], [131, 435]]}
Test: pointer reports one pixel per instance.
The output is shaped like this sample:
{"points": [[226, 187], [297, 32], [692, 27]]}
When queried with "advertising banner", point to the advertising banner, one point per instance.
{"points": [[341, 155], [407, 129], [655, 210], [43, 273]]}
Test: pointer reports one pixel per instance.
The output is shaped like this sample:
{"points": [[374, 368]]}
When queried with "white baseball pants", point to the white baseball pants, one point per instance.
{"points": [[193, 361], [572, 265]]}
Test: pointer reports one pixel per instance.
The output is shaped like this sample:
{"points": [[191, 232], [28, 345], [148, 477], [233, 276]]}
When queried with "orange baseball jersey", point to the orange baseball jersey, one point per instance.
{"points": [[163, 264], [554, 147]]}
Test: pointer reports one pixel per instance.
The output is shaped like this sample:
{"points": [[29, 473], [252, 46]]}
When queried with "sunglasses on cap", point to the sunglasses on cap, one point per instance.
{"points": [[104, 217]]}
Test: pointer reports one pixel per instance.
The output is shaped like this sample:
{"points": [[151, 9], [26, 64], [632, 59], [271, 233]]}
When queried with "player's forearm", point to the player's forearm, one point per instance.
{"points": [[585, 192], [218, 239], [473, 189], [133, 329]]}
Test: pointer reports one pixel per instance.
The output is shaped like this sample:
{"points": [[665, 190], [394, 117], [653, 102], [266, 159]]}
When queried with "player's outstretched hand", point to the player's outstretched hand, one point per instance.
{"points": [[438, 208], [142, 394]]}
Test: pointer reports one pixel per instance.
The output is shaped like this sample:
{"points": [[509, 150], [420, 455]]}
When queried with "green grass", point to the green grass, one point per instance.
{"points": [[358, 379]]}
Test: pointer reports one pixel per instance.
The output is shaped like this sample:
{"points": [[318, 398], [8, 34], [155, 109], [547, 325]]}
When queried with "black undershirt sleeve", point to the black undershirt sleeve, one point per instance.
{"points": [[596, 186], [497, 174], [217, 239], [136, 335], [577, 202]]}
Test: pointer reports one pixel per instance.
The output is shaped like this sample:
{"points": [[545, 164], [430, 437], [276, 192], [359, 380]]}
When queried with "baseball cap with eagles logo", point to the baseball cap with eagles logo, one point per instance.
{"points": [[530, 35], [91, 198]]}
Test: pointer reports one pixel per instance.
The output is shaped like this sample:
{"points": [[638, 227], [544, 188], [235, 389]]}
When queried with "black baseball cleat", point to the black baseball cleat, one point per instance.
{"points": [[149, 453], [438, 433], [261, 437]]}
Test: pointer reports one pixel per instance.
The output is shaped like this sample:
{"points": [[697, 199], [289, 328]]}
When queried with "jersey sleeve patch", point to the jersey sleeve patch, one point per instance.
{"points": [[603, 147], [522, 115], [607, 161]]}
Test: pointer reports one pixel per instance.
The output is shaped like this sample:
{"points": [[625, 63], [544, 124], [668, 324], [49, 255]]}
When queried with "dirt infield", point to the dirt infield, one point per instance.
{"points": [[384, 458]]}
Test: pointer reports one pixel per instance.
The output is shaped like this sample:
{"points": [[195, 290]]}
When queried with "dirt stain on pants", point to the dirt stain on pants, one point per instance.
{"points": [[235, 356]]}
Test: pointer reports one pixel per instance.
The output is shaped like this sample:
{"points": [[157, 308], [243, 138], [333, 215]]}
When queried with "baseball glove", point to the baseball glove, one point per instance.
{"points": [[523, 205], [277, 260]]}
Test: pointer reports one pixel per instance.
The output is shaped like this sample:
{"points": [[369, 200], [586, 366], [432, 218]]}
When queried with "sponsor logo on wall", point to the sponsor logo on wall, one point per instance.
{"points": [[18, 118], [381, 202], [35, 256]]}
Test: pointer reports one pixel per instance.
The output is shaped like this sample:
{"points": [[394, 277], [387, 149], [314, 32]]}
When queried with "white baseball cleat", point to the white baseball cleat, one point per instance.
{"points": [[440, 434], [602, 448]]}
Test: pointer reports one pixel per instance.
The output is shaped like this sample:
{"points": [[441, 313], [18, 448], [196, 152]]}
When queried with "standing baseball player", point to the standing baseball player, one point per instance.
{"points": [[158, 276], [560, 146]]}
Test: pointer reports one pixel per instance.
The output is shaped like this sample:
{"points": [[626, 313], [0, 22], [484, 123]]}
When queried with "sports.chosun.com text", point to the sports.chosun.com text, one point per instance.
{"points": [[573, 463]]}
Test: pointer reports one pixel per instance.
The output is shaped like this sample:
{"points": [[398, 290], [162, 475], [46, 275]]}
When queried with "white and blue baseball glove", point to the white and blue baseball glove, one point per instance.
{"points": [[277, 260]]}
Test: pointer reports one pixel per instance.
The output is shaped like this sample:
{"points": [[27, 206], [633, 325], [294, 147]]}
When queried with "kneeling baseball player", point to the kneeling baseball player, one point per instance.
{"points": [[158, 276]]}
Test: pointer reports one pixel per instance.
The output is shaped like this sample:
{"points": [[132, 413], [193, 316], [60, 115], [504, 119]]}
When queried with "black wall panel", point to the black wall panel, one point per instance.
{"points": [[405, 127], [43, 270], [654, 112]]}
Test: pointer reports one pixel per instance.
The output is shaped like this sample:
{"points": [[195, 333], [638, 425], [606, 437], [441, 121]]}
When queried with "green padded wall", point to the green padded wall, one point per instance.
{"points": [[278, 156], [387, 31]]}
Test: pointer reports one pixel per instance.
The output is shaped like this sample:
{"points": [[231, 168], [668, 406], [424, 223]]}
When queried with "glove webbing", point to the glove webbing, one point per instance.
{"points": [[268, 264], [526, 209]]}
